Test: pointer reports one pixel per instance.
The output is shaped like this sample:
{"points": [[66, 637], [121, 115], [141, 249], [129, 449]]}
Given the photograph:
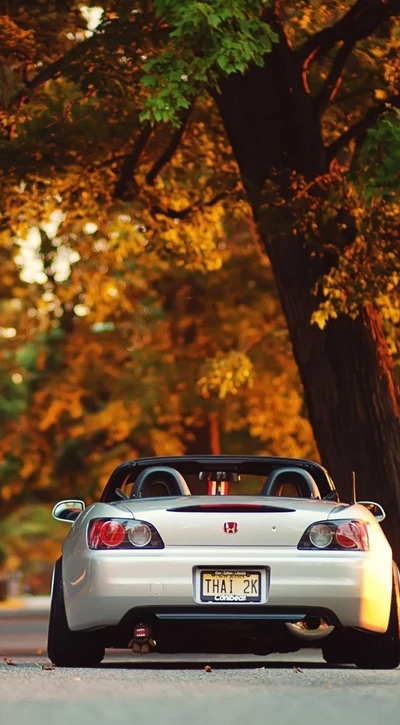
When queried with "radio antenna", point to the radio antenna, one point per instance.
{"points": [[354, 487]]}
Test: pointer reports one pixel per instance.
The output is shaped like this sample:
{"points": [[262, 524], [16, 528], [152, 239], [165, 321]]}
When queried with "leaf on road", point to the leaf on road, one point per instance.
{"points": [[297, 669], [9, 661], [208, 668]]}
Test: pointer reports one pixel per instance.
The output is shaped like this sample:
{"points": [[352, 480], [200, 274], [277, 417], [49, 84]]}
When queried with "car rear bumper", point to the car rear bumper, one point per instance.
{"points": [[101, 587]]}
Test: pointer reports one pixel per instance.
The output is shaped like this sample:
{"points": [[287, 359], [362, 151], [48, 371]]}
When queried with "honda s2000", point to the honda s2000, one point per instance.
{"points": [[224, 554]]}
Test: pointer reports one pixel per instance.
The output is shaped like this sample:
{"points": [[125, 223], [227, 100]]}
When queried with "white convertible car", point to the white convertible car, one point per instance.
{"points": [[224, 554]]}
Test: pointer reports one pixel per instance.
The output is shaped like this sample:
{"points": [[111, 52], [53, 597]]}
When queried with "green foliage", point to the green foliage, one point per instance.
{"points": [[30, 541], [206, 39], [379, 162]]}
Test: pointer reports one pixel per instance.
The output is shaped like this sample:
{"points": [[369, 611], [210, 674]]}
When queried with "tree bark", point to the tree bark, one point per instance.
{"points": [[198, 442], [346, 369], [215, 441]]}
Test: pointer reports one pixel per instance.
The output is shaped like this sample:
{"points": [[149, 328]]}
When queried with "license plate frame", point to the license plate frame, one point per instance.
{"points": [[230, 593]]}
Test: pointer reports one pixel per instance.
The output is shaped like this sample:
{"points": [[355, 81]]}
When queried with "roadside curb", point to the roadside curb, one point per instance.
{"points": [[24, 613], [35, 608]]}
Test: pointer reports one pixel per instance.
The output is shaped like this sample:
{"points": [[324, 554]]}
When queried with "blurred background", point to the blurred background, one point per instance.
{"points": [[99, 364], [138, 312]]}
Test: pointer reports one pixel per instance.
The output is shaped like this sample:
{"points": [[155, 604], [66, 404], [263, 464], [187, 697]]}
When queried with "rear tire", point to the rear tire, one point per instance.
{"points": [[66, 648], [336, 649], [381, 651]]}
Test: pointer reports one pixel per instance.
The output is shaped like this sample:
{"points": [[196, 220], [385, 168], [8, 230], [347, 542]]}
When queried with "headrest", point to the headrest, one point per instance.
{"points": [[169, 478], [297, 476]]}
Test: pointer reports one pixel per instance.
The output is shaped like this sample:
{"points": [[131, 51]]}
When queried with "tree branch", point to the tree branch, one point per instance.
{"points": [[130, 163], [168, 153], [332, 84], [273, 15], [359, 22], [361, 127], [52, 70]]}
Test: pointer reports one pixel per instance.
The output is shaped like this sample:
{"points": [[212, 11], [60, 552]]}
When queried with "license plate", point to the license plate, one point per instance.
{"points": [[230, 586]]}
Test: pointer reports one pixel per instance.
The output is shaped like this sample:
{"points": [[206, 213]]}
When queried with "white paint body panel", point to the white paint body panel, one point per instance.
{"points": [[100, 587]]}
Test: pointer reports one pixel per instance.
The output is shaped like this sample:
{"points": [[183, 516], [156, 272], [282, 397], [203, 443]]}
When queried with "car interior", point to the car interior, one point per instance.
{"points": [[164, 481]]}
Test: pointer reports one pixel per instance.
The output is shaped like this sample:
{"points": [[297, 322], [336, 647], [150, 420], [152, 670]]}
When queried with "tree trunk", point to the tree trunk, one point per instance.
{"points": [[215, 441], [205, 439], [198, 440], [346, 369], [349, 386]]}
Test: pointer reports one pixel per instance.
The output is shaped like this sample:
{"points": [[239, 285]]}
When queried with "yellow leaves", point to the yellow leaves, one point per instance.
{"points": [[324, 312], [274, 414], [225, 374], [165, 444], [118, 418], [191, 243], [306, 19]]}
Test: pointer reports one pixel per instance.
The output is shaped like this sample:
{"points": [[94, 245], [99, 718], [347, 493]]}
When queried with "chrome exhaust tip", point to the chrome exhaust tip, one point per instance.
{"points": [[309, 628]]}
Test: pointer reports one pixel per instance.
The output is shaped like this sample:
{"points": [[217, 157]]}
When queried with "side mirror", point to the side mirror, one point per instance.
{"points": [[375, 509], [68, 510]]}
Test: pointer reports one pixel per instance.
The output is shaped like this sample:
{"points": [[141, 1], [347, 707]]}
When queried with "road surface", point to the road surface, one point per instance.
{"points": [[277, 690]]}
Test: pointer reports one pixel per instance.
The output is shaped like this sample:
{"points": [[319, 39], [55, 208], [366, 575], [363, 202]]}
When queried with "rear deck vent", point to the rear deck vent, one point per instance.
{"points": [[230, 508]]}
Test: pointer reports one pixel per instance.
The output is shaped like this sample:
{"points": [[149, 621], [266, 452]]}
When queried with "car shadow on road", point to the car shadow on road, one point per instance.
{"points": [[205, 663]]}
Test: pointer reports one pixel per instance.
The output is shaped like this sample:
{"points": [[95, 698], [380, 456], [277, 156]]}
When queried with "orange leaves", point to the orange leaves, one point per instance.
{"points": [[116, 419], [68, 401], [30, 465], [14, 41], [274, 414]]}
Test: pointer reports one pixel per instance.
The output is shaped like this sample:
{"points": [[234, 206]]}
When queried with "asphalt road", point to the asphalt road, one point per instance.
{"points": [[281, 690]]}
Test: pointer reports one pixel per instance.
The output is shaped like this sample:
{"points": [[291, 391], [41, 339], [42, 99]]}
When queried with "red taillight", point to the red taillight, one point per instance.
{"points": [[353, 535], [106, 533], [112, 533], [93, 535], [130, 534], [336, 536]]}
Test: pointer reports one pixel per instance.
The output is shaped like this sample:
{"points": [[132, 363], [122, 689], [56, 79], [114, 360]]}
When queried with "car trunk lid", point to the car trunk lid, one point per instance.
{"points": [[239, 521]]}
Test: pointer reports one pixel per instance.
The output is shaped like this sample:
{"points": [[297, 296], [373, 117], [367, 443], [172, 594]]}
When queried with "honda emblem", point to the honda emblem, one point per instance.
{"points": [[230, 527]]}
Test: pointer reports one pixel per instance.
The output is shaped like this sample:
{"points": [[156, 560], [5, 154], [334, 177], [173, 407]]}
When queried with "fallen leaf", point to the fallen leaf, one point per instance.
{"points": [[297, 669], [208, 668], [9, 661], [50, 666]]}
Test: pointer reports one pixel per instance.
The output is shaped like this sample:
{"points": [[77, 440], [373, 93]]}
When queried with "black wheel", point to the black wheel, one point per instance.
{"points": [[64, 647], [336, 649], [381, 651]]}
